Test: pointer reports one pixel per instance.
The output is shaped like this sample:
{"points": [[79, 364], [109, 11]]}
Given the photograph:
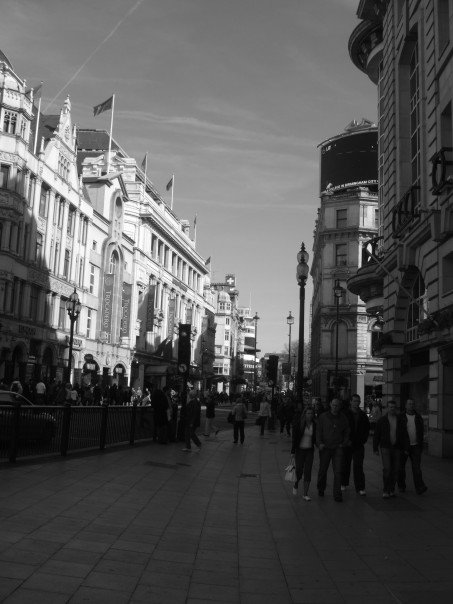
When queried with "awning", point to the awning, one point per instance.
{"points": [[415, 374]]}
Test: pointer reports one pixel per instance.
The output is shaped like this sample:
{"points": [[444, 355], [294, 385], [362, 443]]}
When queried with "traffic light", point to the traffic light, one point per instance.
{"points": [[272, 369], [184, 347]]}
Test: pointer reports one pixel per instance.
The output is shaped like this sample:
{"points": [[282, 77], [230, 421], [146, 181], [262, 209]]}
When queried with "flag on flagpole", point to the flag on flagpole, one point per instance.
{"points": [[195, 221], [169, 184], [144, 162], [208, 261], [37, 92], [105, 106]]}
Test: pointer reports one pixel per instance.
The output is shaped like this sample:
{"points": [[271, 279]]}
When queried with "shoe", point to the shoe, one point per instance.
{"points": [[385, 495], [422, 490], [320, 493], [338, 499], [186, 449], [362, 492], [343, 487], [307, 498], [294, 491]]}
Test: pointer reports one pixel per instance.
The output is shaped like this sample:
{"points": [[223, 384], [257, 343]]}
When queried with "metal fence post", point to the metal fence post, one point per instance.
{"points": [[133, 420], [65, 429], [103, 434], [14, 442]]}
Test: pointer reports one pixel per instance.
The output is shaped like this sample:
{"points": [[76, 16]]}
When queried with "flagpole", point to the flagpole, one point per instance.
{"points": [[195, 230], [37, 123], [172, 190], [146, 167], [110, 137]]}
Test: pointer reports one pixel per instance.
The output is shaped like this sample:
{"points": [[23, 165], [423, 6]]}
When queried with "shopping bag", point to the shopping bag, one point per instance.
{"points": [[290, 473]]}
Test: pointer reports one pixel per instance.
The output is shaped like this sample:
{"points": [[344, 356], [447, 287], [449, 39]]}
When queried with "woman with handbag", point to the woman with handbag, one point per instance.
{"points": [[239, 412], [304, 438], [263, 414]]}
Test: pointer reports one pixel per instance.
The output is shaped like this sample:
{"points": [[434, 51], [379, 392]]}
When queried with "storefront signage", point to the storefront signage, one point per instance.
{"points": [[76, 342], [107, 308], [27, 330], [171, 317], [126, 310]]}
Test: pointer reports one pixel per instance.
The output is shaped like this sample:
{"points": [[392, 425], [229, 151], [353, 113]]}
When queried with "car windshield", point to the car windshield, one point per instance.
{"points": [[13, 398]]}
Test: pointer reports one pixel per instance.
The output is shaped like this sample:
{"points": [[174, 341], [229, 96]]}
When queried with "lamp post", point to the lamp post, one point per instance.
{"points": [[256, 319], [73, 307], [290, 321], [302, 274], [338, 292]]}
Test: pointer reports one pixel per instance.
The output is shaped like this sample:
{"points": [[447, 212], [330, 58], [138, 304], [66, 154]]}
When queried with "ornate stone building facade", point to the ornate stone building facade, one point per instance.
{"points": [[342, 361], [405, 47]]}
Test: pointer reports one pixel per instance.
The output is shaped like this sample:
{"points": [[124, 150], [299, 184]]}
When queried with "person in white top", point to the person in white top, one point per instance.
{"points": [[413, 447], [40, 390]]}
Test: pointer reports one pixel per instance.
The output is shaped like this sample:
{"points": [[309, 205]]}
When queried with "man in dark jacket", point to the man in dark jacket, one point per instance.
{"points": [[389, 439], [331, 436], [159, 403], [193, 420], [413, 447], [359, 427]]}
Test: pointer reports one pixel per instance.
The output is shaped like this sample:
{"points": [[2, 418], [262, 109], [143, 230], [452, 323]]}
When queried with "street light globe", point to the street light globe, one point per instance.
{"points": [[290, 319]]}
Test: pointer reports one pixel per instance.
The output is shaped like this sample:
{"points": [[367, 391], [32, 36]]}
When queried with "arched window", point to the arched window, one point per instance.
{"points": [[417, 310], [114, 261]]}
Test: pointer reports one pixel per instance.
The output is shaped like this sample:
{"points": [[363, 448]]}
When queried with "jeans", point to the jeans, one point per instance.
{"points": [[304, 464], [336, 455], [415, 455], [390, 467], [285, 423], [354, 456], [210, 426], [263, 424], [238, 427], [191, 435]]}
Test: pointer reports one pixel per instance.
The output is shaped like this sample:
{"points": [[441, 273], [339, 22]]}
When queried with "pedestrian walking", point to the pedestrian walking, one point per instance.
{"points": [[332, 435], [359, 428], [264, 414], [303, 444], [159, 403], [375, 415], [285, 416], [388, 440], [40, 390], [239, 412], [210, 415], [16, 386], [413, 446], [192, 421]]}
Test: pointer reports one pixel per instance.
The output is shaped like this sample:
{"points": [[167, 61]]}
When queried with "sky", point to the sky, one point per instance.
{"points": [[233, 97]]}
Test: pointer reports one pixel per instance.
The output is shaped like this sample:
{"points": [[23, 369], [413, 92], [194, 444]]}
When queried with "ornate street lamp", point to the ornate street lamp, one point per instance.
{"points": [[290, 321], [338, 293], [302, 274], [73, 307], [256, 319]]}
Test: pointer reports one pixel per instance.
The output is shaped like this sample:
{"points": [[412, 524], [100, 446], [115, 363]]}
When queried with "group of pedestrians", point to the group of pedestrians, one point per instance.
{"points": [[340, 435]]}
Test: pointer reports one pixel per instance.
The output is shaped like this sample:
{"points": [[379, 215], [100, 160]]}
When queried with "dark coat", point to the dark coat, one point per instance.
{"points": [[298, 432], [419, 428], [333, 430], [360, 430], [381, 437], [159, 403]]}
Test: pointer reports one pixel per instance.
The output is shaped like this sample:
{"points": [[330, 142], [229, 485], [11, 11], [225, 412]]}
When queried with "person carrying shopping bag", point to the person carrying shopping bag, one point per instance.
{"points": [[303, 445]]}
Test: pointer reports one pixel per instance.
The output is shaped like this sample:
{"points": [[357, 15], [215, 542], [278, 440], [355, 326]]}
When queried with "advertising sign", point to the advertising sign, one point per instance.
{"points": [[150, 308], [171, 317], [107, 306], [126, 310]]}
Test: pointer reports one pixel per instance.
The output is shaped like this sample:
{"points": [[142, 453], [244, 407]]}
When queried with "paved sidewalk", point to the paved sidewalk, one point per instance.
{"points": [[154, 524]]}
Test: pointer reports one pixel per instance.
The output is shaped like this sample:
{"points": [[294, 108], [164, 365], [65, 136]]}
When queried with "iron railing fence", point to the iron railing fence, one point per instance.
{"points": [[59, 430]]}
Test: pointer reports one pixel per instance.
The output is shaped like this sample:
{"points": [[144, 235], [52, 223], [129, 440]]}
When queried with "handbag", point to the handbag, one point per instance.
{"points": [[290, 472]]}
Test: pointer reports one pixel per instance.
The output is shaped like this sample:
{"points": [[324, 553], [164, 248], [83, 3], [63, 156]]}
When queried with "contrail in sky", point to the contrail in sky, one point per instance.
{"points": [[73, 77]]}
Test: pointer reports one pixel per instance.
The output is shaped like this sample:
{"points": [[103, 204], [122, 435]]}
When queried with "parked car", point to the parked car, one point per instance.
{"points": [[34, 424]]}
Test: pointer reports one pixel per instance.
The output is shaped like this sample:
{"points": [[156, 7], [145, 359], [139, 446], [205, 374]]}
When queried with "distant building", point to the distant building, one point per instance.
{"points": [[405, 48], [342, 361]]}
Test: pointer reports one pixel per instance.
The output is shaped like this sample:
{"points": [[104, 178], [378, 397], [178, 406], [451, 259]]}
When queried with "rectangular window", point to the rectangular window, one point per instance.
{"points": [[342, 219], [31, 189], [443, 23], [38, 251], [341, 254], [43, 202], [363, 215], [376, 218], [33, 310], [56, 260], [227, 351], [67, 260], [84, 231], [414, 91], [92, 278], [71, 221], [19, 181], [446, 134], [80, 279], [447, 273], [62, 314], [10, 122], [89, 322], [227, 336], [4, 175], [227, 320], [26, 241]]}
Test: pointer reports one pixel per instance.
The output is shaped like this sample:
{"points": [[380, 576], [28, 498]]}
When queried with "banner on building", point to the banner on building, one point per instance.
{"points": [[126, 310], [150, 308], [171, 317], [109, 280], [189, 315]]}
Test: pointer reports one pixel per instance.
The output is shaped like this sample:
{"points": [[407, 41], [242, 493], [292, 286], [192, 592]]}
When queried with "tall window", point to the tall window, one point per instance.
{"points": [[89, 322], [92, 278], [19, 175], [31, 189], [414, 91], [4, 175], [113, 263], [43, 202], [342, 219], [10, 122], [80, 279], [63, 167], [341, 254], [417, 309], [56, 260], [62, 314], [39, 243], [67, 260], [33, 309], [443, 23], [71, 221]]}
